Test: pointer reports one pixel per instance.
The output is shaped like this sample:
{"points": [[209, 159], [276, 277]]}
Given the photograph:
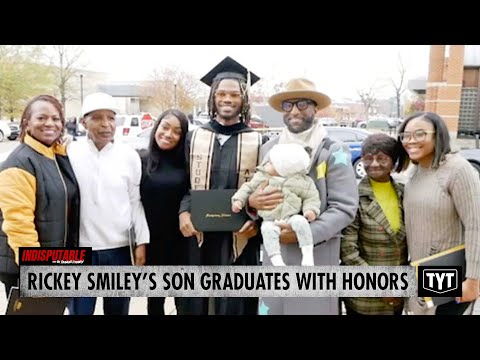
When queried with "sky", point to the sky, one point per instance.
{"points": [[338, 70]]}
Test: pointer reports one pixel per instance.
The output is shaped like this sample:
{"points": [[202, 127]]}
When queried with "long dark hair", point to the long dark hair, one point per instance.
{"points": [[27, 114], [155, 155], [442, 140]]}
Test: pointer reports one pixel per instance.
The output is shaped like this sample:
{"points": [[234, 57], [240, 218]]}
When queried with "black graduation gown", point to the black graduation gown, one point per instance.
{"points": [[217, 247]]}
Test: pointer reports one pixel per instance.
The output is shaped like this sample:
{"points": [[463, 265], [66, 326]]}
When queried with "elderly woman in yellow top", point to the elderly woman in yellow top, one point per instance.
{"points": [[377, 235], [39, 197]]}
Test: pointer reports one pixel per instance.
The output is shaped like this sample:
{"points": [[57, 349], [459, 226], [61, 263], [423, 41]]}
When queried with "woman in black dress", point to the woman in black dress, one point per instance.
{"points": [[164, 183]]}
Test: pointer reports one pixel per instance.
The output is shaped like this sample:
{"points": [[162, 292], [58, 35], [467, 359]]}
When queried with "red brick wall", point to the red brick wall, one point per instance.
{"points": [[444, 86]]}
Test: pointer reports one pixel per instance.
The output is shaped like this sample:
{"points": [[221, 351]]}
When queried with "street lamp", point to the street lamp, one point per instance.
{"points": [[175, 94], [81, 89]]}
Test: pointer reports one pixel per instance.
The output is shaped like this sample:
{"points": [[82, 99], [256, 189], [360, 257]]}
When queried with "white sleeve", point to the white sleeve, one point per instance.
{"points": [[138, 214]]}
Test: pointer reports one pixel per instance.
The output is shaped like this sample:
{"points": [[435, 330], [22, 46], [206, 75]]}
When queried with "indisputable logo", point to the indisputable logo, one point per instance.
{"points": [[55, 256]]}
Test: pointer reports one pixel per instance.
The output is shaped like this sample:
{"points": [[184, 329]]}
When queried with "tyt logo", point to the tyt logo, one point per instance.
{"points": [[439, 281]]}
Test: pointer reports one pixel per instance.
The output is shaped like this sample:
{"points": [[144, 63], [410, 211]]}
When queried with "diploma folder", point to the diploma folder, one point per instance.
{"points": [[452, 257], [212, 211], [18, 305]]}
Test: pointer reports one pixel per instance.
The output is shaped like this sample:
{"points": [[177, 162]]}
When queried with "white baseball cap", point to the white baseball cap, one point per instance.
{"points": [[99, 101]]}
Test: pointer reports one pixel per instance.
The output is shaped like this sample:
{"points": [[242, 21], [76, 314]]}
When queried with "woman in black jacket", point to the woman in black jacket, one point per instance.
{"points": [[164, 182], [39, 196]]}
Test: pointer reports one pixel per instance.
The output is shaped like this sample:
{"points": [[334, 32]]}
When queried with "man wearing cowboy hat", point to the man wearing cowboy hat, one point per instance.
{"points": [[330, 168]]}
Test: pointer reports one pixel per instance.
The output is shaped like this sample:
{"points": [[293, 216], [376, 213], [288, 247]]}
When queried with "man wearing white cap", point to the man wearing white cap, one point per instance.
{"points": [[109, 177]]}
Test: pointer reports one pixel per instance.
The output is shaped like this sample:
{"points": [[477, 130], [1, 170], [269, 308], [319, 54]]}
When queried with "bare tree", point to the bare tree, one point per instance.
{"points": [[8, 50], [259, 93], [399, 86], [170, 87], [368, 99], [67, 62], [278, 87]]}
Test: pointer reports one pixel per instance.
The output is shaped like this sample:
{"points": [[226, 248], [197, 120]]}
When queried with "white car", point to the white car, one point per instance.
{"points": [[5, 131], [141, 140], [132, 125]]}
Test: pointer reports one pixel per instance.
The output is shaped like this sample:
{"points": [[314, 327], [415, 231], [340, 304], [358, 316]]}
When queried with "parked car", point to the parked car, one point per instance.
{"points": [[326, 121], [4, 130], [202, 118], [359, 123], [473, 157], [14, 130], [140, 141], [379, 124], [132, 125], [256, 122], [383, 124], [354, 138], [394, 122]]}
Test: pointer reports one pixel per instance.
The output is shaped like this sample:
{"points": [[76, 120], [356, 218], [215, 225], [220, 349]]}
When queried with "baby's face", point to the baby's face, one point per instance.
{"points": [[270, 169]]}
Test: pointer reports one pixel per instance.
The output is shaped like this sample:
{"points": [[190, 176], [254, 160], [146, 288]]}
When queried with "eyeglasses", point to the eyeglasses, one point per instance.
{"points": [[223, 95], [418, 135], [301, 104], [382, 160]]}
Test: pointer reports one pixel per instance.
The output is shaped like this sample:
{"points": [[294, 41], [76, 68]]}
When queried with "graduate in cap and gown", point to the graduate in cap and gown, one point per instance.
{"points": [[223, 154]]}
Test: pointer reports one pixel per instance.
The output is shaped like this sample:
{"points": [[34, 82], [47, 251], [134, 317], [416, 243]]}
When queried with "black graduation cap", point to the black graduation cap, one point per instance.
{"points": [[229, 69]]}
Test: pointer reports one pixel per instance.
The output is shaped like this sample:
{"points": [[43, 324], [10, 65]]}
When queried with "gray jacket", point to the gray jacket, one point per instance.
{"points": [[335, 180]]}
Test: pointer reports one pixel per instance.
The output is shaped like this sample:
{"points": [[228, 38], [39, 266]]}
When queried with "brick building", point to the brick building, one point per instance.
{"points": [[453, 86]]}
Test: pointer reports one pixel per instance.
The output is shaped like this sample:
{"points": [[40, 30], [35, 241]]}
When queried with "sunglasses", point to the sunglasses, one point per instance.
{"points": [[224, 94], [418, 135], [287, 105]]}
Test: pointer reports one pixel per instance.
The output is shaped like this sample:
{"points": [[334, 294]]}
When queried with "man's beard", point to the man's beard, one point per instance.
{"points": [[231, 116], [305, 125]]}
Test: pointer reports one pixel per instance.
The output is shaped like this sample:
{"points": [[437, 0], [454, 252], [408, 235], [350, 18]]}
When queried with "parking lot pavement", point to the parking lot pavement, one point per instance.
{"points": [[6, 146], [138, 306]]}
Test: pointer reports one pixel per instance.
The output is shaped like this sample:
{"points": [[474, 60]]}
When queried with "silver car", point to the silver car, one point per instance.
{"points": [[5, 130], [473, 157]]}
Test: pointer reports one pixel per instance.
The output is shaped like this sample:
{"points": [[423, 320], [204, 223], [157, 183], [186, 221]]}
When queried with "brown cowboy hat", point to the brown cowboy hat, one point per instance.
{"points": [[299, 89]]}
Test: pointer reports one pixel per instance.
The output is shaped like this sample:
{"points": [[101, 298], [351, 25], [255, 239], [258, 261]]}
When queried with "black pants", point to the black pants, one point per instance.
{"points": [[9, 281], [452, 308], [216, 250], [155, 306]]}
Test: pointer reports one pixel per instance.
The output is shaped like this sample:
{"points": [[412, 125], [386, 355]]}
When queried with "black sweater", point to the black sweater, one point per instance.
{"points": [[161, 193]]}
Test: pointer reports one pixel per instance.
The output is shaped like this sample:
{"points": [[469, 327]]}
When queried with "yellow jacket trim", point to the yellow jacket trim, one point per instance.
{"points": [[46, 151], [17, 201]]}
